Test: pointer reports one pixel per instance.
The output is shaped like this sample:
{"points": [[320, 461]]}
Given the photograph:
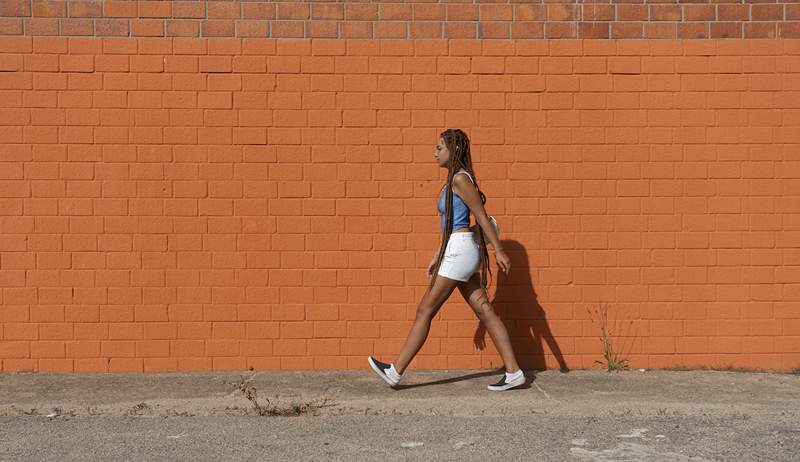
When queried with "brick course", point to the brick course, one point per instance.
{"points": [[403, 20], [172, 202]]}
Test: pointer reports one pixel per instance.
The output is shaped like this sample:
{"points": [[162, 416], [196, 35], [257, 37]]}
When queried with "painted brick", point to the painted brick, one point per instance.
{"points": [[233, 198]]}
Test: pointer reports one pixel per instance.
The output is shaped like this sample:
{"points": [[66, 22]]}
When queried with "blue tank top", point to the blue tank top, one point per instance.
{"points": [[460, 209]]}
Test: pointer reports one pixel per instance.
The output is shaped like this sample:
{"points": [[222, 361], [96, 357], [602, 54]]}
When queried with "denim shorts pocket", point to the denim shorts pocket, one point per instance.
{"points": [[453, 249], [453, 252]]}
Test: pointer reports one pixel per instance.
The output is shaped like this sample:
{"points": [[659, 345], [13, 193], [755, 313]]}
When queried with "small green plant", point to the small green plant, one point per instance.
{"points": [[614, 360]]}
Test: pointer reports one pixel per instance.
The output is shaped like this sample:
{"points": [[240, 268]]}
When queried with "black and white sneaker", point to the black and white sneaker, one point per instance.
{"points": [[386, 371], [508, 381]]}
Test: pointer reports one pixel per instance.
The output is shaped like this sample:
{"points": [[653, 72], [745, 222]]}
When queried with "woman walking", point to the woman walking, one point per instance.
{"points": [[462, 261]]}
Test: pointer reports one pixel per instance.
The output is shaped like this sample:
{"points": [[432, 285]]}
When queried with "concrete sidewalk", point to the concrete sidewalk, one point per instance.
{"points": [[579, 415]]}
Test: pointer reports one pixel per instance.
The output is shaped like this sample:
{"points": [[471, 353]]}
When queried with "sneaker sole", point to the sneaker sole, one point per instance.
{"points": [[508, 386], [379, 372]]}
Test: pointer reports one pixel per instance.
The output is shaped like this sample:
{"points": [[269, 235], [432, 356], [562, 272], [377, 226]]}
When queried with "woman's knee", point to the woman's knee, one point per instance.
{"points": [[484, 310], [426, 312]]}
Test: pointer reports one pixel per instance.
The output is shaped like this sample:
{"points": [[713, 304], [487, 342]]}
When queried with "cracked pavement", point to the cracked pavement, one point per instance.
{"points": [[585, 415]]}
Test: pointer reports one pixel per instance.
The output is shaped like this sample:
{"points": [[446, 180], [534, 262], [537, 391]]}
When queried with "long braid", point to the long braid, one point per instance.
{"points": [[458, 144]]}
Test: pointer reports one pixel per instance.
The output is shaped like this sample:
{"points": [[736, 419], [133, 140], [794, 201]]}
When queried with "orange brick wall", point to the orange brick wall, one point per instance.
{"points": [[516, 19], [198, 204]]}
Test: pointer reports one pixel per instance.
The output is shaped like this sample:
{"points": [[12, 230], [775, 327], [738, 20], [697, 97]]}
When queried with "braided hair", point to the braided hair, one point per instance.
{"points": [[458, 145]]}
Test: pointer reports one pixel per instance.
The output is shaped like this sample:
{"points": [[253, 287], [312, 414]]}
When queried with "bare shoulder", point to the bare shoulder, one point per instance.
{"points": [[465, 177], [463, 185]]}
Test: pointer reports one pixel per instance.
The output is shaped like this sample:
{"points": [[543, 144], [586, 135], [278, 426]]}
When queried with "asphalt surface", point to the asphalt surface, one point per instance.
{"points": [[438, 415]]}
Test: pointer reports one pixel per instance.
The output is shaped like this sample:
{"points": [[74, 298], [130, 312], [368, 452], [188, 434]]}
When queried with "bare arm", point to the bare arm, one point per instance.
{"points": [[468, 193]]}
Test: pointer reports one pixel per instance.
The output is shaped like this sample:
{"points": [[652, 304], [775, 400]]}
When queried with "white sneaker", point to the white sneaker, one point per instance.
{"points": [[385, 371], [508, 381]]}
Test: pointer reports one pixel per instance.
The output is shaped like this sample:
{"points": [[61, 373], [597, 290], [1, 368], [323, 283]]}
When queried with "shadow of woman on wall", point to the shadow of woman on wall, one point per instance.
{"points": [[515, 301]]}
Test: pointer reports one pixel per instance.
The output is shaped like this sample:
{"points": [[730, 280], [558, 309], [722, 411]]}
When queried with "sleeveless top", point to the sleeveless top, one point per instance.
{"points": [[460, 209]]}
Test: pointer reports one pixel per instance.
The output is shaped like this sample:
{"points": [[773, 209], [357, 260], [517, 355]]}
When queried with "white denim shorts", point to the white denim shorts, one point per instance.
{"points": [[462, 257]]}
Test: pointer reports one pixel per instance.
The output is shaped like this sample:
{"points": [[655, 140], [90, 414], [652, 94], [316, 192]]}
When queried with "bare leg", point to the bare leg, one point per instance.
{"points": [[476, 298], [426, 311]]}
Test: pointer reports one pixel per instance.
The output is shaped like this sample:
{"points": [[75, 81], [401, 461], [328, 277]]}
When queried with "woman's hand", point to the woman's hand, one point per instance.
{"points": [[502, 261], [431, 265]]}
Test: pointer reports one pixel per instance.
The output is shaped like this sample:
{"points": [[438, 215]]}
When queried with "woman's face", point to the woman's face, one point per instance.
{"points": [[442, 153]]}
